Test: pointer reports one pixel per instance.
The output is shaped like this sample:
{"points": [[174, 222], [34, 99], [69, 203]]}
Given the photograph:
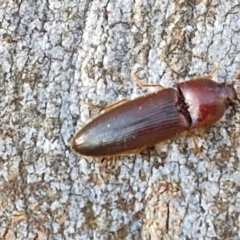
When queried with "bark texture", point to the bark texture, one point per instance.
{"points": [[56, 56]]}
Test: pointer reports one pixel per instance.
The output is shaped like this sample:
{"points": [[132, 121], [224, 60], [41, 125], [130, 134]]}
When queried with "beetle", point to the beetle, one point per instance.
{"points": [[136, 124]]}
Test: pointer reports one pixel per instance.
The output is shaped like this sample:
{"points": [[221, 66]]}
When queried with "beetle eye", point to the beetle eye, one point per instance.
{"points": [[229, 102]]}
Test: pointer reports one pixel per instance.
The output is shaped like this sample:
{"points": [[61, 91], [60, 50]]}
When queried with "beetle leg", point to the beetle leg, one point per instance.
{"points": [[210, 76], [93, 105], [202, 133], [142, 85], [215, 70], [108, 162], [115, 104], [198, 150], [108, 107]]}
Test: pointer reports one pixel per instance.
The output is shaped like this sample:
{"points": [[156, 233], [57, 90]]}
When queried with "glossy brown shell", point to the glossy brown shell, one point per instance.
{"points": [[207, 100], [133, 126]]}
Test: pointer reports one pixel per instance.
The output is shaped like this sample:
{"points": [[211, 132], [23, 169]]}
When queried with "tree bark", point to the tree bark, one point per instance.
{"points": [[56, 57]]}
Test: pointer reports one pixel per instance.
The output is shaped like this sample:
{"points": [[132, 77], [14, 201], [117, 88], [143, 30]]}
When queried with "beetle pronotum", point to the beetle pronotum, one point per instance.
{"points": [[136, 124]]}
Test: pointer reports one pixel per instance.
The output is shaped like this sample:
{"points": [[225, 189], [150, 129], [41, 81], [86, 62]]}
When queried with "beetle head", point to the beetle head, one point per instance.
{"points": [[231, 95]]}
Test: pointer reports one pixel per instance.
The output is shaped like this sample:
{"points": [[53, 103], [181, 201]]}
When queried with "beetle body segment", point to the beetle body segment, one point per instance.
{"points": [[156, 117], [133, 126], [207, 100]]}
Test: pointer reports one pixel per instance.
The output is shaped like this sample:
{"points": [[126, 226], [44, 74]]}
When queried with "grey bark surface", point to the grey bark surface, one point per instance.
{"points": [[57, 56]]}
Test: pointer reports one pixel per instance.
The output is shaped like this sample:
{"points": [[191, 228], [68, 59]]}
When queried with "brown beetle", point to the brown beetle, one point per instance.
{"points": [[145, 121]]}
